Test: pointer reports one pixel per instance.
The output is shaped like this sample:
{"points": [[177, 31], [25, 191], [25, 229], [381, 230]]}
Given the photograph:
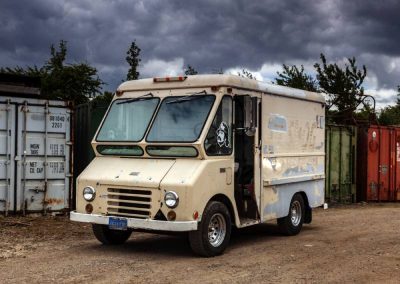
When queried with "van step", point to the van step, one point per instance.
{"points": [[245, 222]]}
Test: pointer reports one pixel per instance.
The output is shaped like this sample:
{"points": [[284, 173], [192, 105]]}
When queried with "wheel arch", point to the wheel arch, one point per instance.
{"points": [[308, 210], [227, 202]]}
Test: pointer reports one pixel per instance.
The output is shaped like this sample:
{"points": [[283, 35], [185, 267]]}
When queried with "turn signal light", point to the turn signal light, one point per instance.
{"points": [[171, 216], [195, 215], [89, 208]]}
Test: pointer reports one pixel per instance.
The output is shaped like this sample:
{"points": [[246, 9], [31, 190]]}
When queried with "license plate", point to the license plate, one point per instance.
{"points": [[118, 224]]}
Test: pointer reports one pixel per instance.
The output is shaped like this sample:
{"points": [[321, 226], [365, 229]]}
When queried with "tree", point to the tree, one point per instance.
{"points": [[104, 98], [75, 82], [57, 57], [133, 60], [343, 86], [390, 115], [29, 71], [295, 77], [246, 74], [190, 70]]}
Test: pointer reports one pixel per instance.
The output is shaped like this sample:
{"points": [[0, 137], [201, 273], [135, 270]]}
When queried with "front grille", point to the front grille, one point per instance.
{"points": [[129, 202]]}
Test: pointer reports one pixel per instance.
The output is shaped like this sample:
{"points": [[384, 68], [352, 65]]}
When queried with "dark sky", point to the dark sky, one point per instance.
{"points": [[209, 35]]}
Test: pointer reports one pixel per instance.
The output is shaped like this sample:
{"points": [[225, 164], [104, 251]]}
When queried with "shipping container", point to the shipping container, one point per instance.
{"points": [[87, 118], [35, 155], [379, 170], [341, 143]]}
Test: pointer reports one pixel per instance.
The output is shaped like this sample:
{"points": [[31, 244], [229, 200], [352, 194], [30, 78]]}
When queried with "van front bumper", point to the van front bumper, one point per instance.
{"points": [[147, 224]]}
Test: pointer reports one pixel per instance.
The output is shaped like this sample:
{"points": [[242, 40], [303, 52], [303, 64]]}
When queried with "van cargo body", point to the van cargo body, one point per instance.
{"points": [[198, 154], [35, 155]]}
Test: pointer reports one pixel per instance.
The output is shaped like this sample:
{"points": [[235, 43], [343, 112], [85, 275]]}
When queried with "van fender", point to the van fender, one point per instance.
{"points": [[220, 197]]}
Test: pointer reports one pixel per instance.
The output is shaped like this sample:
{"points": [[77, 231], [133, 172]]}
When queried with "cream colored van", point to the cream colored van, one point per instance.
{"points": [[203, 153]]}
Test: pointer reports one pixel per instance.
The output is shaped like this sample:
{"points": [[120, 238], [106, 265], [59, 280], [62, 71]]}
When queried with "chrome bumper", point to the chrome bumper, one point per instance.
{"points": [[147, 224]]}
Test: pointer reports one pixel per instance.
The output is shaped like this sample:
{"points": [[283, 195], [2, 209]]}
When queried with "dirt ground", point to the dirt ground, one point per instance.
{"points": [[357, 243]]}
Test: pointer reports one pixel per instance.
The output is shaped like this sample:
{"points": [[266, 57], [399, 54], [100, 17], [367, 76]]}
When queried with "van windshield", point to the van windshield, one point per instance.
{"points": [[181, 119], [128, 119]]}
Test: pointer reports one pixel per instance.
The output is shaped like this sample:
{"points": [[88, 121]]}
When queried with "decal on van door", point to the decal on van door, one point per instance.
{"points": [[219, 137]]}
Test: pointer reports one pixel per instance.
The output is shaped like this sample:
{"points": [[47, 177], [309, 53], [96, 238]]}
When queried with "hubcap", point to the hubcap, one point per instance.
{"points": [[216, 230], [295, 213]]}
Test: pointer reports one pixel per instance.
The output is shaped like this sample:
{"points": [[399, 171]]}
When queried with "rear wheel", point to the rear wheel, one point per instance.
{"points": [[291, 224], [110, 237], [214, 231]]}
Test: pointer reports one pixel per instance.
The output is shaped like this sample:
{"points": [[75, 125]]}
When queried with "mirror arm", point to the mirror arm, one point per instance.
{"points": [[254, 106]]}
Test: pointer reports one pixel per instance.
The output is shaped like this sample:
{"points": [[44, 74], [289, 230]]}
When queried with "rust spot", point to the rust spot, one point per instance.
{"points": [[53, 201]]}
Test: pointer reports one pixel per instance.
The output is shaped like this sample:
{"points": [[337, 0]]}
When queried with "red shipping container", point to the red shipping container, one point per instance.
{"points": [[378, 169]]}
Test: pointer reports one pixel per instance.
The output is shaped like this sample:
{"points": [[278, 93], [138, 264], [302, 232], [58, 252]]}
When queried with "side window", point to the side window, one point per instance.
{"points": [[219, 136]]}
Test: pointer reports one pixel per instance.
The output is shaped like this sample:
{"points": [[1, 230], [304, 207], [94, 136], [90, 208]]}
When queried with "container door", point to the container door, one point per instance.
{"points": [[396, 171], [395, 174], [7, 163], [44, 150], [340, 143], [378, 164]]}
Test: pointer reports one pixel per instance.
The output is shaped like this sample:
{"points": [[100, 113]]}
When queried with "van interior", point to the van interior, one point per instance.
{"points": [[244, 160]]}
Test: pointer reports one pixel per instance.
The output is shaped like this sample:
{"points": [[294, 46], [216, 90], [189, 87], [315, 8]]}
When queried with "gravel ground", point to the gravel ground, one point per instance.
{"points": [[356, 243]]}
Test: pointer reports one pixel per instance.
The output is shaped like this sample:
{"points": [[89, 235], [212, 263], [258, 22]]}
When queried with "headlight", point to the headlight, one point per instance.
{"points": [[89, 193], [171, 199]]}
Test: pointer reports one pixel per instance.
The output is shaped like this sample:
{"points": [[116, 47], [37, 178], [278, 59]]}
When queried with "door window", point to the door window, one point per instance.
{"points": [[219, 137]]}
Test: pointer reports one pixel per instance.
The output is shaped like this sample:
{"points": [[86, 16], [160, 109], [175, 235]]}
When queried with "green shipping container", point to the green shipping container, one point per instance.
{"points": [[87, 118], [340, 180]]}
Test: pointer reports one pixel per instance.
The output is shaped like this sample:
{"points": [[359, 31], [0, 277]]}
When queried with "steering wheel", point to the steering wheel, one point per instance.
{"points": [[197, 129], [211, 138]]}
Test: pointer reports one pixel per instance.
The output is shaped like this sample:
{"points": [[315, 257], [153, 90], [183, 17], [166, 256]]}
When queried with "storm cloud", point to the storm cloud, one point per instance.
{"points": [[209, 35]]}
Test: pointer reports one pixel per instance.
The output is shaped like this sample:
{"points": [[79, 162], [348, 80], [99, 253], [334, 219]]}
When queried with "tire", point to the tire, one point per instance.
{"points": [[110, 237], [291, 224], [214, 231]]}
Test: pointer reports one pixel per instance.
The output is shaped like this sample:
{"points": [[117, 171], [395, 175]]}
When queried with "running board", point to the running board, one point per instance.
{"points": [[244, 222]]}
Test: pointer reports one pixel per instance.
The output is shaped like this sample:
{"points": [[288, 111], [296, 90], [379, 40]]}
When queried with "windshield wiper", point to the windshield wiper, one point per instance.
{"points": [[189, 98], [141, 98]]}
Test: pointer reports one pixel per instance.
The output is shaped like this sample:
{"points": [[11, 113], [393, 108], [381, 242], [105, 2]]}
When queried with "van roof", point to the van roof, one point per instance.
{"points": [[221, 80]]}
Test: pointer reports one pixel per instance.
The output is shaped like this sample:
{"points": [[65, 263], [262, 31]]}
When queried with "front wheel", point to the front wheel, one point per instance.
{"points": [[110, 237], [291, 224], [214, 231]]}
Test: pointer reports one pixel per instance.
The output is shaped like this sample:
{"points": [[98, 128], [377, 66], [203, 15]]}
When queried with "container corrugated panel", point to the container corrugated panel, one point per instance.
{"points": [[35, 155], [7, 151], [396, 176], [341, 142], [380, 152]]}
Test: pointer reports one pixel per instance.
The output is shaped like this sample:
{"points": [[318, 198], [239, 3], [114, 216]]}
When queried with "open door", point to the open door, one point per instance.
{"points": [[247, 158]]}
